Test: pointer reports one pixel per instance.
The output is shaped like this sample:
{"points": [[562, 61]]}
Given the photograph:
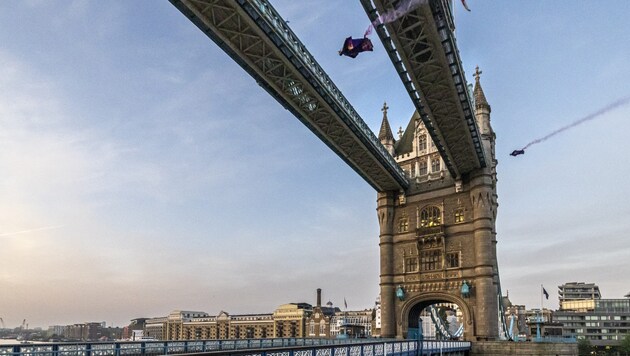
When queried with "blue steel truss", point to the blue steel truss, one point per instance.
{"points": [[422, 48], [261, 42]]}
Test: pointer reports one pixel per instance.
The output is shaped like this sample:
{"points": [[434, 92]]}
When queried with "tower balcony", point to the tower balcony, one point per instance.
{"points": [[430, 232]]}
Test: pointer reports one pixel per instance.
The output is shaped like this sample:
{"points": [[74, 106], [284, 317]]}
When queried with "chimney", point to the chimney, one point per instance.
{"points": [[319, 297]]}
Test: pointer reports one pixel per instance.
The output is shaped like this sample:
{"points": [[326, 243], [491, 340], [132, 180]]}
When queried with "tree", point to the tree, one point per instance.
{"points": [[584, 347], [624, 347]]}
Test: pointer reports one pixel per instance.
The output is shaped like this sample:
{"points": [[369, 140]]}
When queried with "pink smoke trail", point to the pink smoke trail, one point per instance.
{"points": [[403, 7], [592, 116]]}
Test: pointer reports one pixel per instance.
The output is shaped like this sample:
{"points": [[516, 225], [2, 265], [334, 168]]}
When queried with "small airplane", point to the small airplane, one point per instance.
{"points": [[517, 152]]}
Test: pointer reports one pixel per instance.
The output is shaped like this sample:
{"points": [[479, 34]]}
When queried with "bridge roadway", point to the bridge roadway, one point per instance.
{"points": [[261, 42], [422, 47], [252, 347]]}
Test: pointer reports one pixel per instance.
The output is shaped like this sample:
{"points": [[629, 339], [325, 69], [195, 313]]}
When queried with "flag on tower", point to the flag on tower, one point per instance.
{"points": [[545, 293]]}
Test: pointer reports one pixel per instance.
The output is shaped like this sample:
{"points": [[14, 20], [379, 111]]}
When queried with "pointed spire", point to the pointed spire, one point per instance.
{"points": [[480, 97], [385, 133]]}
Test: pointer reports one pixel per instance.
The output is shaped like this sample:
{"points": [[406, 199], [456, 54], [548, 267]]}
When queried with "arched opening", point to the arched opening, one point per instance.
{"points": [[435, 319]]}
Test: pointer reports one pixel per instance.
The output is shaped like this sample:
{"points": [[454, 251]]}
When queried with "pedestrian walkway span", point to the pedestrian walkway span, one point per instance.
{"points": [[252, 347]]}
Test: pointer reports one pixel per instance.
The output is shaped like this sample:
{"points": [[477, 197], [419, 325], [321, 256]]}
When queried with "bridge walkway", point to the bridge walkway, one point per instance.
{"points": [[422, 47], [252, 347], [261, 42]]}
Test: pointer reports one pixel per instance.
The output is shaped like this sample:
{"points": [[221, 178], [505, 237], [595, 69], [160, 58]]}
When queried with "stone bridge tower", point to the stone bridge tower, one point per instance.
{"points": [[438, 238]]}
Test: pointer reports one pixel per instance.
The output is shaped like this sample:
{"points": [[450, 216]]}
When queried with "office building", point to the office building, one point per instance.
{"points": [[583, 314]]}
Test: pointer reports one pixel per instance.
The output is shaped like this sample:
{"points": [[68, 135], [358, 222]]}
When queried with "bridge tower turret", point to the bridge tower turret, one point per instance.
{"points": [[482, 115], [385, 133], [438, 237], [385, 211], [485, 216], [488, 137]]}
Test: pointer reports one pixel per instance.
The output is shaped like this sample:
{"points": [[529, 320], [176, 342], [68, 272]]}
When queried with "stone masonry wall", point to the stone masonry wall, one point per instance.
{"points": [[502, 348]]}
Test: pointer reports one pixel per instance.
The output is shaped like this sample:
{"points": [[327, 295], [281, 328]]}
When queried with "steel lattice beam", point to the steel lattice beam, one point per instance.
{"points": [[259, 40], [421, 45]]}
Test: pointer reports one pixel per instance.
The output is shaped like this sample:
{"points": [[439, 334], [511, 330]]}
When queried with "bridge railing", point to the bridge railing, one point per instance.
{"points": [[555, 339], [162, 347], [257, 347], [431, 347]]}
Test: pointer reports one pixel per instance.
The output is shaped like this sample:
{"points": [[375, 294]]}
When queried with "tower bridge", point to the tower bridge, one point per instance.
{"points": [[436, 203]]}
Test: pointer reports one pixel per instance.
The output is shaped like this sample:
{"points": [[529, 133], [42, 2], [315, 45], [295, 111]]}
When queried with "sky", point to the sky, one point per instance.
{"points": [[143, 171]]}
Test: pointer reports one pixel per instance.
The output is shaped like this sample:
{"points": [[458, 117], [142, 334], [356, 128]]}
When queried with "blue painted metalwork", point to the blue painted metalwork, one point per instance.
{"points": [[441, 326], [558, 339], [413, 92], [504, 332], [443, 22], [284, 38], [443, 19], [295, 96], [430, 347], [465, 291], [400, 293], [258, 347]]}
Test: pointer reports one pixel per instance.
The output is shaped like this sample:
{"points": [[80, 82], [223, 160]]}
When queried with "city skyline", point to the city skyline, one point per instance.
{"points": [[144, 171]]}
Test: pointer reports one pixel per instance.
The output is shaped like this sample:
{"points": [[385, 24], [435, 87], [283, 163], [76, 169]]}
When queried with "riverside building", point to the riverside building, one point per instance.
{"points": [[291, 320], [583, 314]]}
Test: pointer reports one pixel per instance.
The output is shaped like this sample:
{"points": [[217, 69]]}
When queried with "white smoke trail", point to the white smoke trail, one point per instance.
{"points": [[31, 230], [592, 116]]}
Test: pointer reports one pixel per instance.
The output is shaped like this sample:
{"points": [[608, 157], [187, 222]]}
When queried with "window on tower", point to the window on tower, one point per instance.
{"points": [[431, 260], [422, 142], [452, 260], [422, 170], [411, 264], [459, 215], [430, 216], [403, 224], [435, 163]]}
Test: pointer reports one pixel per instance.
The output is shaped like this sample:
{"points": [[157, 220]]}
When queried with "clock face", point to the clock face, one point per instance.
{"points": [[316, 315]]}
